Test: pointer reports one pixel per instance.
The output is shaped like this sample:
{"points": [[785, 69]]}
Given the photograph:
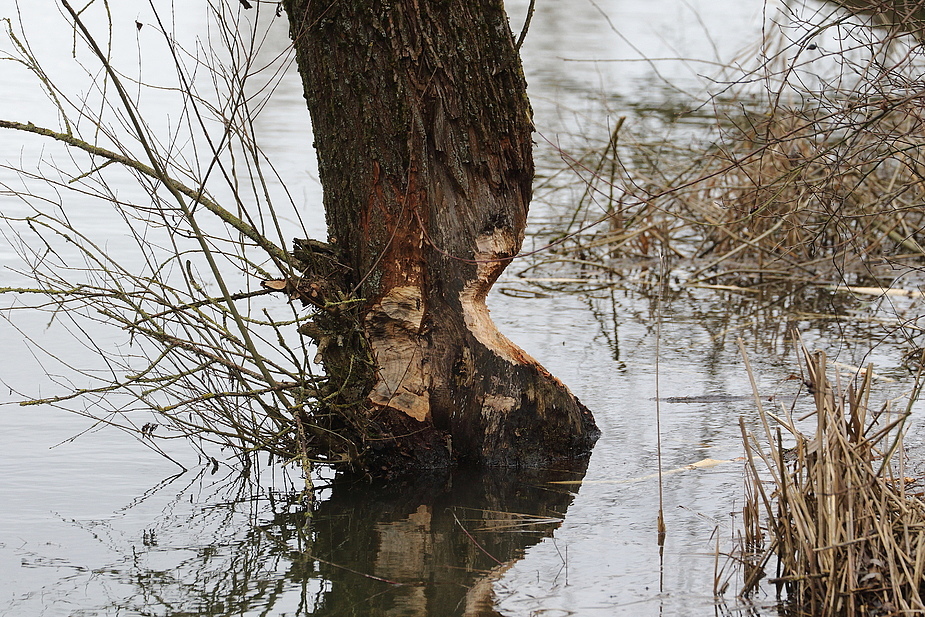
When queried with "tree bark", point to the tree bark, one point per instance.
{"points": [[423, 132]]}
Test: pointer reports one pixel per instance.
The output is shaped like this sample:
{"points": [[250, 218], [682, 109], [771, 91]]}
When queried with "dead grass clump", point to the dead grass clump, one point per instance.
{"points": [[835, 511], [811, 166], [841, 185]]}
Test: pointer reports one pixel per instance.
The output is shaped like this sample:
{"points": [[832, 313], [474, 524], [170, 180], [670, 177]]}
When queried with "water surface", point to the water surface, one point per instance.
{"points": [[102, 525]]}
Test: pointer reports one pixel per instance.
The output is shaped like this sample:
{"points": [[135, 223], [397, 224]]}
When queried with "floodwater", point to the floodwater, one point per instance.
{"points": [[94, 523]]}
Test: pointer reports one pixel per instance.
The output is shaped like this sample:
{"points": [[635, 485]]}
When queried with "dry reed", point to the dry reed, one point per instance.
{"points": [[835, 511], [813, 167]]}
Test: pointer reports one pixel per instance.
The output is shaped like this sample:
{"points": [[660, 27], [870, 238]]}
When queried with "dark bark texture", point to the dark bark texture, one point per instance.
{"points": [[423, 133]]}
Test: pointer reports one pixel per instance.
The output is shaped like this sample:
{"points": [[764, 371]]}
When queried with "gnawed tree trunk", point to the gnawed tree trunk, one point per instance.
{"points": [[423, 133]]}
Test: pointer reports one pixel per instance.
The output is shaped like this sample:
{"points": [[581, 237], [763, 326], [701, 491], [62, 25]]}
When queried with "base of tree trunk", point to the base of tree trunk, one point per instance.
{"points": [[488, 402]]}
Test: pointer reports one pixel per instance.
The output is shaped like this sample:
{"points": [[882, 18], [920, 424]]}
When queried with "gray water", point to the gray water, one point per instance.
{"points": [[101, 525]]}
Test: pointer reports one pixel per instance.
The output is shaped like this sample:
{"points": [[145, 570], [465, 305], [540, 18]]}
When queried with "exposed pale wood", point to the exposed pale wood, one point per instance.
{"points": [[423, 133], [394, 324]]}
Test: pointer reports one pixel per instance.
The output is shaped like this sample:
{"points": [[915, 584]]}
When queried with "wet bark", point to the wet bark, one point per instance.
{"points": [[423, 132]]}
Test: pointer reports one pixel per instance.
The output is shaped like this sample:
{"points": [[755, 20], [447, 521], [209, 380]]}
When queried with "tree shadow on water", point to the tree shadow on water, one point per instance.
{"points": [[430, 546]]}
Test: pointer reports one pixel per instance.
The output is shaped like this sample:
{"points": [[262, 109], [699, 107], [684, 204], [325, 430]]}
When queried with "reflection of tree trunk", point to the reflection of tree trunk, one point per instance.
{"points": [[480, 599], [446, 540], [407, 550], [423, 132]]}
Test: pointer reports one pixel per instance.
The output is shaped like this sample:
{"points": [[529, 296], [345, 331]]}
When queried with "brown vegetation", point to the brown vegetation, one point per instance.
{"points": [[836, 512], [816, 171]]}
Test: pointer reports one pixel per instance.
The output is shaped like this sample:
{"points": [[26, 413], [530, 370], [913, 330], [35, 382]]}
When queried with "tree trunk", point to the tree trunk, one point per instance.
{"points": [[423, 132]]}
